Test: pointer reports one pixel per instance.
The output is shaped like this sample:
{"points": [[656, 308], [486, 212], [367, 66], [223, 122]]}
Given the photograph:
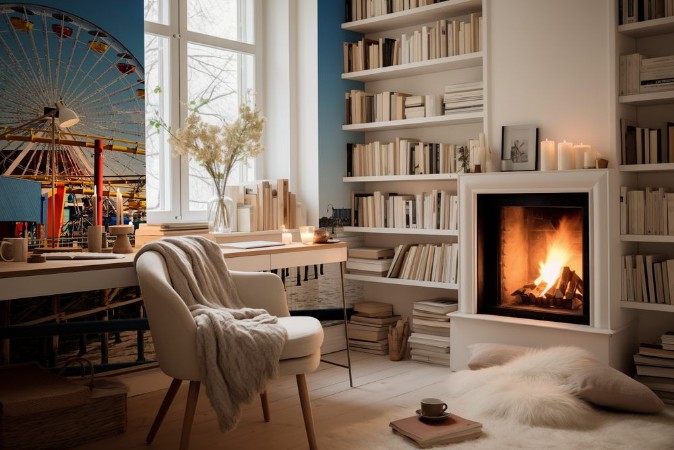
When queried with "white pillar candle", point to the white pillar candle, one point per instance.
{"points": [[565, 159], [307, 234], [548, 155], [589, 160], [580, 150]]}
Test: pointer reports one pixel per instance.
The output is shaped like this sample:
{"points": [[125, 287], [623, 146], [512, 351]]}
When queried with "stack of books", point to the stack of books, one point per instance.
{"points": [[428, 434], [639, 74], [463, 97], [415, 106], [648, 279], [374, 261], [429, 341], [368, 327], [655, 367]]}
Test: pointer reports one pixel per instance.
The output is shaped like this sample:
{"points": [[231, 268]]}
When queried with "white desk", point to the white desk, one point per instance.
{"points": [[24, 280]]}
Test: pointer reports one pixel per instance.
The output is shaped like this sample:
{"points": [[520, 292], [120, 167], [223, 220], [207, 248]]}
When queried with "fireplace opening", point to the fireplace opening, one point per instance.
{"points": [[533, 256]]}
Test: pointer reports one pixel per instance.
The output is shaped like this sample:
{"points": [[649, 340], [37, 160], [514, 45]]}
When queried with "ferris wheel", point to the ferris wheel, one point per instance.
{"points": [[49, 57]]}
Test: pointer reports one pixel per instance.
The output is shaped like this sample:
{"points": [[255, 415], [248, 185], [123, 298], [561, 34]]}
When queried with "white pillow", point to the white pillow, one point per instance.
{"points": [[488, 354]]}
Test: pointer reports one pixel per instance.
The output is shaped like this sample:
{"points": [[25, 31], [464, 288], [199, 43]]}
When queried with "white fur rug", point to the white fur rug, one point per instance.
{"points": [[522, 405]]}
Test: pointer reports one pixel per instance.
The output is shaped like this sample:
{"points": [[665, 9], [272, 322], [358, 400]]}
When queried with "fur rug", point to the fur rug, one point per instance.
{"points": [[525, 404]]}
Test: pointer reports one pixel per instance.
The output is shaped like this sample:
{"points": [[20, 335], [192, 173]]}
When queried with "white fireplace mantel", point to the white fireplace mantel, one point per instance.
{"points": [[608, 327]]}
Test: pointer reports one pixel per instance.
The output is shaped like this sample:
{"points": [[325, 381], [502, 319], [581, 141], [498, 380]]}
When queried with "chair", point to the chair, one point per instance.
{"points": [[174, 335]]}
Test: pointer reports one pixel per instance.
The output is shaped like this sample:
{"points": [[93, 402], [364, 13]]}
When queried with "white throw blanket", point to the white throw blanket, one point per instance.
{"points": [[238, 347]]}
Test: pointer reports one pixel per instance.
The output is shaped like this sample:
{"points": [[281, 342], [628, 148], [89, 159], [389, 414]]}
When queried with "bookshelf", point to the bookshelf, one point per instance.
{"points": [[652, 39], [426, 77]]}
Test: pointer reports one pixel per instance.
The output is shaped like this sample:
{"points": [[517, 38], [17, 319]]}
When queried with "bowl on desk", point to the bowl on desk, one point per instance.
{"points": [[321, 235]]}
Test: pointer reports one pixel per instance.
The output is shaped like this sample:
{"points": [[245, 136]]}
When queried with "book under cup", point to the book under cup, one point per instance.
{"points": [[427, 434]]}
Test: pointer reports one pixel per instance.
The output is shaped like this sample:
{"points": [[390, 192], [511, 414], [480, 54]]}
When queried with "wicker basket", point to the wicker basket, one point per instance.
{"points": [[57, 415]]}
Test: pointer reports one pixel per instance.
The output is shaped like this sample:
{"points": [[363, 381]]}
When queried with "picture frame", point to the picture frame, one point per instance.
{"points": [[519, 147]]}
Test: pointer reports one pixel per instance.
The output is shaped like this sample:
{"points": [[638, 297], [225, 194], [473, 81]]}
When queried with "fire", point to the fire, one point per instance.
{"points": [[559, 254]]}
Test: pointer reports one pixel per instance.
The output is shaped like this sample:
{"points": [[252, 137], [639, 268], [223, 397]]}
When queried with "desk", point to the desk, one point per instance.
{"points": [[24, 280]]}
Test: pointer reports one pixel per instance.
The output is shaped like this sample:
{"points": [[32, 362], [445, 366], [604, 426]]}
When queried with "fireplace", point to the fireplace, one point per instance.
{"points": [[576, 207], [532, 256]]}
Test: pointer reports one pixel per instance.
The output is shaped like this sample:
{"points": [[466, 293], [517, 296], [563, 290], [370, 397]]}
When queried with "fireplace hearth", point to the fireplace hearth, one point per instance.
{"points": [[532, 256]]}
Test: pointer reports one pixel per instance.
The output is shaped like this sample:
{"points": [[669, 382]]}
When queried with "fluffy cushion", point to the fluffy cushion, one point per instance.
{"points": [[488, 354], [605, 386]]}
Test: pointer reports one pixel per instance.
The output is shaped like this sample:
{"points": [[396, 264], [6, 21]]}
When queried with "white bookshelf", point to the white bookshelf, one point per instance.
{"points": [[417, 68], [401, 281], [651, 38], [429, 177], [436, 121], [413, 16], [409, 231]]}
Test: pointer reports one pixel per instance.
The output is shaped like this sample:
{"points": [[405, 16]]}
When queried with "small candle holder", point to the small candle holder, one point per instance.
{"points": [[286, 237], [122, 243], [307, 234]]}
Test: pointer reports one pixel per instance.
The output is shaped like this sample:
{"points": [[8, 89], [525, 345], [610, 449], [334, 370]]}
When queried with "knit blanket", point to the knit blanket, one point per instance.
{"points": [[238, 347]]}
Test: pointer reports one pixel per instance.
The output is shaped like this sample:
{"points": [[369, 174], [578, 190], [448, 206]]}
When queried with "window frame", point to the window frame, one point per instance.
{"points": [[177, 209]]}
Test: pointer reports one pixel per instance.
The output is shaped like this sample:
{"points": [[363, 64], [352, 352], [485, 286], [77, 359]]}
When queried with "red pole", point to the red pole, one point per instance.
{"points": [[98, 180]]}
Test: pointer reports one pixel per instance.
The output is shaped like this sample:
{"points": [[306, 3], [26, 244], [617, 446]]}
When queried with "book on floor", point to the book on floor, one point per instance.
{"points": [[367, 333], [656, 383], [373, 309], [426, 434], [359, 318], [655, 350], [655, 371]]}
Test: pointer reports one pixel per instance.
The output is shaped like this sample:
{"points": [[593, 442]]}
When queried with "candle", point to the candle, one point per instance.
{"points": [[286, 237], [565, 160], [307, 234], [548, 155], [94, 207], [579, 151], [120, 216], [589, 160]]}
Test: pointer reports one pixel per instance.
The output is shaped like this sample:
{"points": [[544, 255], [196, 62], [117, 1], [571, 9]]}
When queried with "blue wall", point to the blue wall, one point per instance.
{"points": [[331, 88]]}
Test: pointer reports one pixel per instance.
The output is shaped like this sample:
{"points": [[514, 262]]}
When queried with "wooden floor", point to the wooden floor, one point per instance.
{"points": [[381, 387]]}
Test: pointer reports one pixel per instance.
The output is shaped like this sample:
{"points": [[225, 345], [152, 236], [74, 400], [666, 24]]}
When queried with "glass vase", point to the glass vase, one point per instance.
{"points": [[220, 209]]}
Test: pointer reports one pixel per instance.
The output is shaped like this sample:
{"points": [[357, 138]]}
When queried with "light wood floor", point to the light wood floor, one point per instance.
{"points": [[381, 387]]}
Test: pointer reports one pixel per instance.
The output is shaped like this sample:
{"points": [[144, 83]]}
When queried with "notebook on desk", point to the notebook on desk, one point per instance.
{"points": [[251, 244], [81, 255]]}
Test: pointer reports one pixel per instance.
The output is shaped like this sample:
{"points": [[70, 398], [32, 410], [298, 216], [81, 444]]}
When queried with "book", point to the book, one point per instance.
{"points": [[653, 361], [80, 255], [372, 265], [374, 334], [656, 383], [655, 350], [437, 305], [373, 309], [371, 252], [655, 371], [426, 434], [359, 318]]}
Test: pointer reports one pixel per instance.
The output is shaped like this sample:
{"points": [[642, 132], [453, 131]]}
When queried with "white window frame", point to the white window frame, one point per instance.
{"points": [[179, 37]]}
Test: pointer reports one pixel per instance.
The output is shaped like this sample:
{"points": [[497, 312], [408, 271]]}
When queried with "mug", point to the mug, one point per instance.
{"points": [[433, 407], [14, 249]]}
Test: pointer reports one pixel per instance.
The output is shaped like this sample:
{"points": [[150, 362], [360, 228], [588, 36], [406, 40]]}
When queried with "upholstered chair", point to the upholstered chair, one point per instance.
{"points": [[174, 335]]}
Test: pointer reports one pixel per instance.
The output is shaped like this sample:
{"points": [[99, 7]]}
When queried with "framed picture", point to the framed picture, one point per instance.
{"points": [[519, 148]]}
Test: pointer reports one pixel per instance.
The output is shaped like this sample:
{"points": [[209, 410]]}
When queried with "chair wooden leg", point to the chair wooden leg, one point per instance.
{"points": [[190, 408], [265, 405], [305, 402], [165, 404]]}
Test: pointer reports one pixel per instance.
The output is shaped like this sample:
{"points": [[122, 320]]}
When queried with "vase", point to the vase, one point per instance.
{"points": [[220, 209]]}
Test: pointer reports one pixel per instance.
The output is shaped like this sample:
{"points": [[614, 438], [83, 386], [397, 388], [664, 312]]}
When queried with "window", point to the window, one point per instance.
{"points": [[199, 54]]}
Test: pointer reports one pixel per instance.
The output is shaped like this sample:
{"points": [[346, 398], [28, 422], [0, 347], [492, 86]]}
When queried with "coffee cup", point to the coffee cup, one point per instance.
{"points": [[433, 407], [14, 249]]}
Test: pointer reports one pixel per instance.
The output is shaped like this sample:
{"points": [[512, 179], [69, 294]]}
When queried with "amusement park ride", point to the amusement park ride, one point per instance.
{"points": [[78, 95]]}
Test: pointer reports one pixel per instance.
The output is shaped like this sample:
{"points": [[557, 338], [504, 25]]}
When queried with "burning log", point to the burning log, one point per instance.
{"points": [[566, 292]]}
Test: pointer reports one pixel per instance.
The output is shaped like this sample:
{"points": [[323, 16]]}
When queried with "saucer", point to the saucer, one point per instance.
{"points": [[444, 416]]}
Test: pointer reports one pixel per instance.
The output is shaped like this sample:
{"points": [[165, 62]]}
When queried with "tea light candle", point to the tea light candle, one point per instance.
{"points": [[120, 216], [307, 234], [580, 151], [548, 155], [565, 159], [286, 237]]}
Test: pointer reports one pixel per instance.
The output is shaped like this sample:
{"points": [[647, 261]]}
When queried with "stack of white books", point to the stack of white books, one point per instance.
{"points": [[463, 97], [368, 327], [431, 327]]}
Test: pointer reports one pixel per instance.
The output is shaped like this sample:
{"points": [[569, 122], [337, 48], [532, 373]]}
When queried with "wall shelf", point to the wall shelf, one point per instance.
{"points": [[651, 98], [412, 231], [429, 177], [400, 281], [647, 238], [436, 121], [413, 16], [417, 68], [648, 306], [648, 27], [662, 167]]}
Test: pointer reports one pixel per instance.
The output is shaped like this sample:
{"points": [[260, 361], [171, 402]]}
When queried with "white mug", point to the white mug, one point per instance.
{"points": [[14, 249]]}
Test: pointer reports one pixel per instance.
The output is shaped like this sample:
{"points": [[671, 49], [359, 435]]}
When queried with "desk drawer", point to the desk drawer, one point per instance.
{"points": [[306, 258], [248, 263]]}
